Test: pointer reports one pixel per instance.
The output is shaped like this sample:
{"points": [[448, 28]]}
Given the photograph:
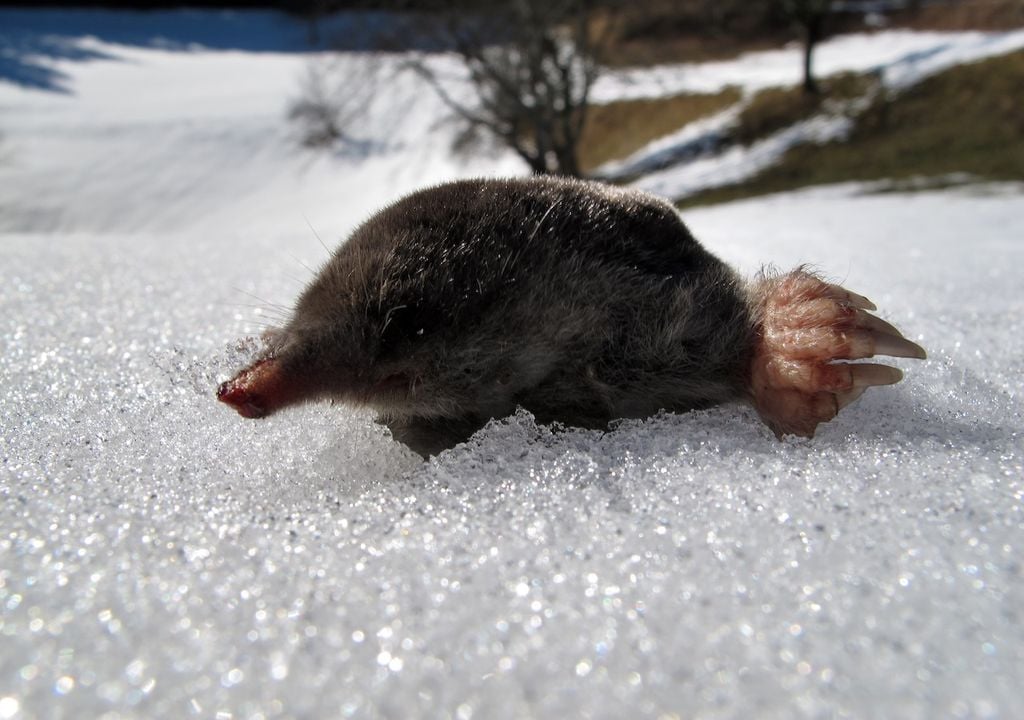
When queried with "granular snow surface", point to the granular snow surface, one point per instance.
{"points": [[162, 558]]}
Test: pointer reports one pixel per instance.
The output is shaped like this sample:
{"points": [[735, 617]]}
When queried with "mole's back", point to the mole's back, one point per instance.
{"points": [[445, 257]]}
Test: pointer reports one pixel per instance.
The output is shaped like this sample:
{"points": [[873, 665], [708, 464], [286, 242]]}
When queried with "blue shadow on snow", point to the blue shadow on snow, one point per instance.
{"points": [[32, 40]]}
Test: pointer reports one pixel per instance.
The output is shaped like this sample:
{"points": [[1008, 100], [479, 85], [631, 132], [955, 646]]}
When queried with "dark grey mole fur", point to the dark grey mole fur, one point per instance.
{"points": [[580, 302]]}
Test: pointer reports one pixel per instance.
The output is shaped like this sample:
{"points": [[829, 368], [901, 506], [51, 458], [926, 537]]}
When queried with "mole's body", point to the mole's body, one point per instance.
{"points": [[580, 302]]}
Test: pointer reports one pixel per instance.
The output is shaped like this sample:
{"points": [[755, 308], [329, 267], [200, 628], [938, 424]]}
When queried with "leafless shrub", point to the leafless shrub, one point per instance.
{"points": [[334, 99]]}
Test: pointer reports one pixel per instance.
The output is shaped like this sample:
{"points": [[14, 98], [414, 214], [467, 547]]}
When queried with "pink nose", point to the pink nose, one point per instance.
{"points": [[248, 405], [259, 390]]}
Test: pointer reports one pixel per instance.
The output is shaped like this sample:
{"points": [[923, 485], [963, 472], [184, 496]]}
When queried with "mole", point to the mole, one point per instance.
{"points": [[578, 301]]}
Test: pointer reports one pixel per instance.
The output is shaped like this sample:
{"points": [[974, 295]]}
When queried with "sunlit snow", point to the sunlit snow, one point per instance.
{"points": [[162, 558]]}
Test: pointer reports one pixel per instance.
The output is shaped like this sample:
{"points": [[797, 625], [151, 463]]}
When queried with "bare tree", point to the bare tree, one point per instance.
{"points": [[531, 64]]}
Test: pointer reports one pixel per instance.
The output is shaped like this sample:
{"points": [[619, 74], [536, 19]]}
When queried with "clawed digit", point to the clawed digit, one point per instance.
{"points": [[846, 297], [807, 327]]}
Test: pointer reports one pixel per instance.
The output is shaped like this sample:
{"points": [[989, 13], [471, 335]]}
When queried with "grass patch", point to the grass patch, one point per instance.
{"points": [[774, 109], [965, 120], [616, 130]]}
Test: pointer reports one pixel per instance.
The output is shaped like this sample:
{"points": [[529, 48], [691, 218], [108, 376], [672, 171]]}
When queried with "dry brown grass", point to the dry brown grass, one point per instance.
{"points": [[773, 109], [963, 121]]}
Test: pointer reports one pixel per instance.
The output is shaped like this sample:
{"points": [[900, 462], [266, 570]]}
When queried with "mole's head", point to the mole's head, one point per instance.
{"points": [[330, 349]]}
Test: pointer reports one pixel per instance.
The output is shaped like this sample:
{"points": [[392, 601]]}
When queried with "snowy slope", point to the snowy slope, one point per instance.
{"points": [[160, 557], [139, 138], [903, 56], [899, 59]]}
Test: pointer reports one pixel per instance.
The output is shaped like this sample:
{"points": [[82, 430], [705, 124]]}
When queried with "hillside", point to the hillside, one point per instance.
{"points": [[962, 126], [893, 104]]}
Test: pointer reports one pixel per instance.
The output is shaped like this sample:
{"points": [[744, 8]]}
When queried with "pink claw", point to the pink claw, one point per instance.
{"points": [[808, 325]]}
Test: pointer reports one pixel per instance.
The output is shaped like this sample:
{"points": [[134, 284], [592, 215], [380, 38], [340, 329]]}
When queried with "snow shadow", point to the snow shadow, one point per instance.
{"points": [[33, 41], [22, 58]]}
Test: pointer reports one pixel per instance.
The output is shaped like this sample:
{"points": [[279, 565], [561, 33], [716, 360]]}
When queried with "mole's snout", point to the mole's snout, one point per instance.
{"points": [[246, 403], [259, 390]]}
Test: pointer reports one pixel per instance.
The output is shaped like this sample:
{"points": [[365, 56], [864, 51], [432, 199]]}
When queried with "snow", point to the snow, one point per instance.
{"points": [[739, 162], [161, 557], [165, 141], [902, 56]]}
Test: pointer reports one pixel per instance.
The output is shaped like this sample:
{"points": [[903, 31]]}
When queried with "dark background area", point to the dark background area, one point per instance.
{"points": [[299, 7], [286, 5]]}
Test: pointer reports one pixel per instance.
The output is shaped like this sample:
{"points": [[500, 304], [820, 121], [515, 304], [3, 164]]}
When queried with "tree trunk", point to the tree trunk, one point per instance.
{"points": [[812, 33]]}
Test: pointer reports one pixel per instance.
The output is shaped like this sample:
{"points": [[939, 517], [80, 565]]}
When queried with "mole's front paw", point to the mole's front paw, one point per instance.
{"points": [[805, 326]]}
